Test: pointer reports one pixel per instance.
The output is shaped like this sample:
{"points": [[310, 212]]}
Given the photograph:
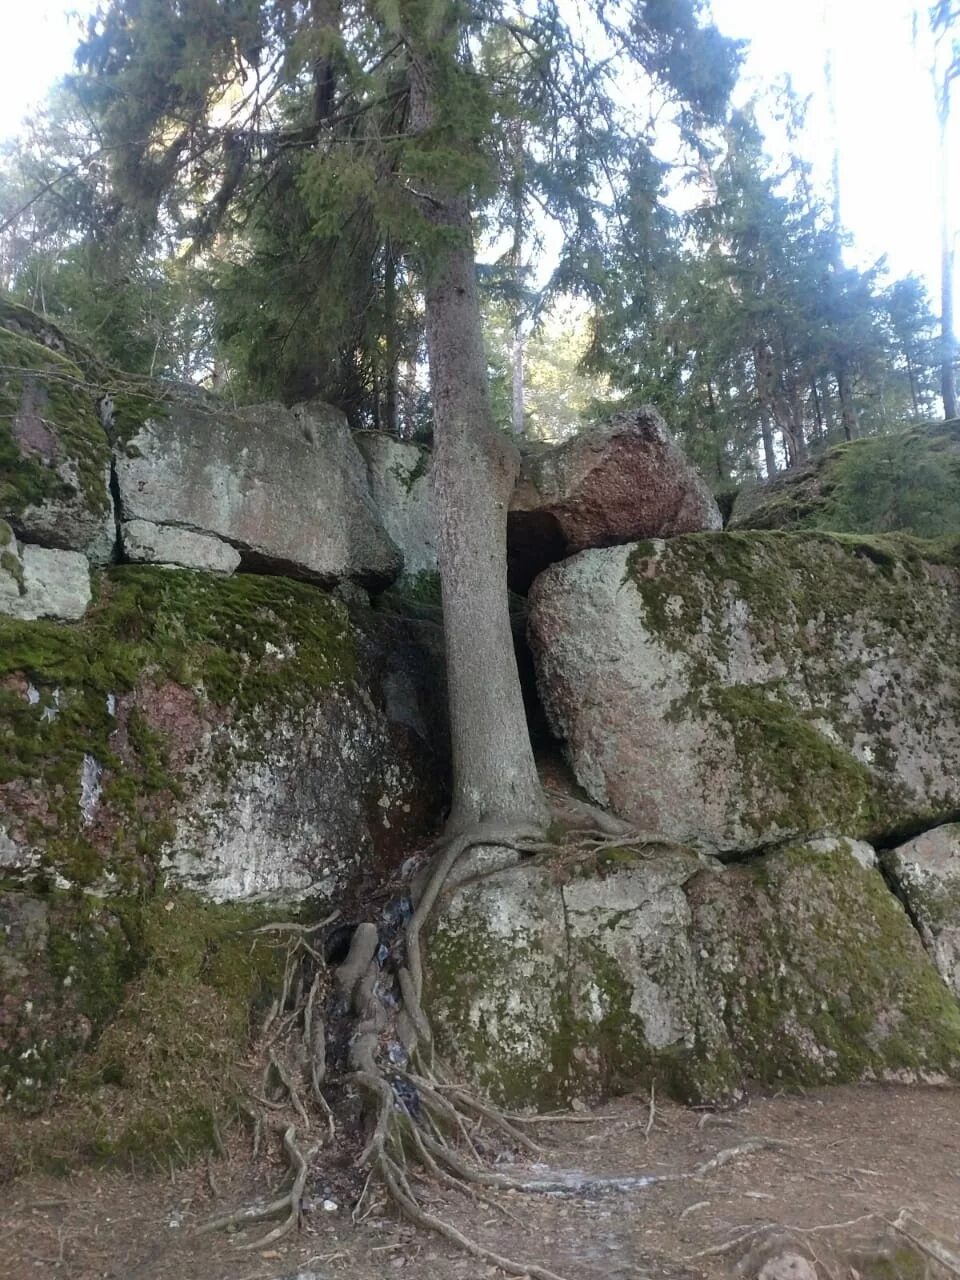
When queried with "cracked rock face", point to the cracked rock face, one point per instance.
{"points": [[659, 966], [403, 495], [729, 691], [287, 488], [926, 874]]}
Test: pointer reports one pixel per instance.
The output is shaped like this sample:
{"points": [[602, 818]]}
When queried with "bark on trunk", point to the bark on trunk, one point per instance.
{"points": [[769, 453], [948, 352], [519, 427], [848, 411], [474, 469]]}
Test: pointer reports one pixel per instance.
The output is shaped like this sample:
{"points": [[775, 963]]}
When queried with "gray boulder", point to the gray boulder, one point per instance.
{"points": [[286, 488], [659, 966], [733, 690], [613, 483], [147, 543], [926, 874], [403, 495], [39, 582]]}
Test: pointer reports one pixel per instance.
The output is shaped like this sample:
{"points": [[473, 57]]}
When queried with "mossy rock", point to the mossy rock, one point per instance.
{"points": [[547, 984], [819, 974], [164, 993], [907, 481], [741, 689], [54, 454], [133, 739]]}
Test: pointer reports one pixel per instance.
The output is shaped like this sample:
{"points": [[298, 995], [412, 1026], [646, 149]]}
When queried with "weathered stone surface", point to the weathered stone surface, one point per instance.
{"points": [[907, 481], [54, 453], [148, 543], [800, 967], [617, 482], [287, 488], [926, 874], [819, 974], [241, 736], [732, 690], [403, 495], [37, 582]]}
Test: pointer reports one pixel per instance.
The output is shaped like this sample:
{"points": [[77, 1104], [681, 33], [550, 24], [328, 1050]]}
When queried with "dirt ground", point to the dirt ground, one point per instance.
{"points": [[832, 1167]]}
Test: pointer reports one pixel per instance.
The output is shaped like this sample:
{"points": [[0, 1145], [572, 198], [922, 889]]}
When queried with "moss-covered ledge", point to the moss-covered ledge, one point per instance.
{"points": [[128, 1037]]}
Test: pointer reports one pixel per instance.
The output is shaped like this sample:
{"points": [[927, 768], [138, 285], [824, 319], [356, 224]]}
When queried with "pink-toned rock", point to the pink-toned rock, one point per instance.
{"points": [[621, 481]]}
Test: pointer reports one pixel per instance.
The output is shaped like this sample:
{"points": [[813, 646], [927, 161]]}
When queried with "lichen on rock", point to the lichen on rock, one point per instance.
{"points": [[658, 967], [735, 690]]}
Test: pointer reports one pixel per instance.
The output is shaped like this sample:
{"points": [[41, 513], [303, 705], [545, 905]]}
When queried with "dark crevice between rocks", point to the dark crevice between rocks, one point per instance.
{"points": [[534, 542], [117, 553], [896, 836], [896, 888]]}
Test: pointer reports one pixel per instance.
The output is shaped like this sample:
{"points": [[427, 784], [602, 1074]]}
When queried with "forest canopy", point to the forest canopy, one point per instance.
{"points": [[220, 193]]}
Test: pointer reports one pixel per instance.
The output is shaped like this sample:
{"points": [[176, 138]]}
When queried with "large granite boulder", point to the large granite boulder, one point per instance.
{"points": [[286, 488], [403, 495], [617, 482], [240, 736], [734, 690], [926, 874], [907, 481], [54, 453], [546, 985]]}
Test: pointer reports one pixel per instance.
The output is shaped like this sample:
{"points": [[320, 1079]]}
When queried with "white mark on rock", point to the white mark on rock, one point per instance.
{"points": [[90, 774]]}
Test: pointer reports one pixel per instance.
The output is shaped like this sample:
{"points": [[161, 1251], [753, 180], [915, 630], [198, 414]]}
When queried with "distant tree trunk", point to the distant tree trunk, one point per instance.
{"points": [[817, 413], [519, 423], [912, 376], [474, 470], [848, 410], [769, 453], [391, 343], [786, 413], [948, 350], [826, 404]]}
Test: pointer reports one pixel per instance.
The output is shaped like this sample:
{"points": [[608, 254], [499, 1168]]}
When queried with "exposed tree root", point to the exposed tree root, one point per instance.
{"points": [[364, 1022]]}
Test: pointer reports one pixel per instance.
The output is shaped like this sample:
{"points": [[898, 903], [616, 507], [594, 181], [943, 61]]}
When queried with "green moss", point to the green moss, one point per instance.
{"points": [[907, 481], [12, 565], [67, 404], [467, 963], [408, 476], [828, 983], [174, 1026], [800, 780], [244, 644], [812, 608]]}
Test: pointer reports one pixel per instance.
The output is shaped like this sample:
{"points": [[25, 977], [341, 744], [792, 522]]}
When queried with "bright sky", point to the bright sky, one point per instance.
{"points": [[886, 132]]}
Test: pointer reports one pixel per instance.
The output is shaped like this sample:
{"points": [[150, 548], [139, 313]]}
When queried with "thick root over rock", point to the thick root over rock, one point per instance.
{"points": [[360, 1028]]}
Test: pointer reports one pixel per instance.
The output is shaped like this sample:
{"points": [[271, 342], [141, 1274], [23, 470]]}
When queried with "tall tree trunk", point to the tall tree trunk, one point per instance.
{"points": [[817, 412], [391, 372], [948, 374], [516, 257], [769, 453], [474, 470], [848, 410]]}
